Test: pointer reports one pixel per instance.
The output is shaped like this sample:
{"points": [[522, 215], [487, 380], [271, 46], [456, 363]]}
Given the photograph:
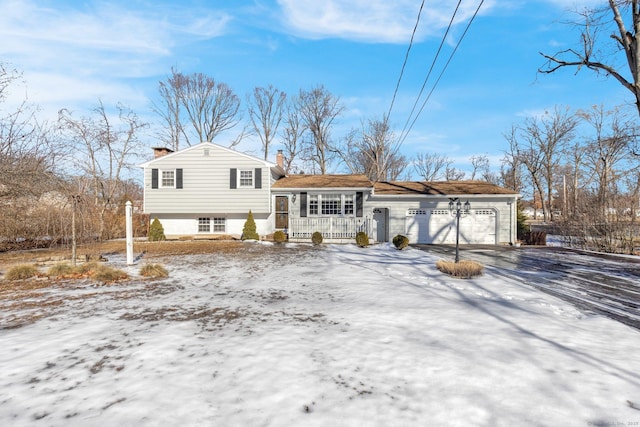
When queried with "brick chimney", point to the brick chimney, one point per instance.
{"points": [[161, 151], [280, 159]]}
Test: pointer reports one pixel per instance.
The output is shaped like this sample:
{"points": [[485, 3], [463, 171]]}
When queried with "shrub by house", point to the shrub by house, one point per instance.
{"points": [[249, 231]]}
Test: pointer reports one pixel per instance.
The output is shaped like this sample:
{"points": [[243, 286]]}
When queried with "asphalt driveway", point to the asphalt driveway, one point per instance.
{"points": [[599, 283]]}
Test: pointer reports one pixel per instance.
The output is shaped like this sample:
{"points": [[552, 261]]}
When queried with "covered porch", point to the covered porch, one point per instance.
{"points": [[333, 229]]}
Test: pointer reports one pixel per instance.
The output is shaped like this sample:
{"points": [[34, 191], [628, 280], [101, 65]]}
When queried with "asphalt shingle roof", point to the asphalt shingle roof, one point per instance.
{"points": [[323, 181]]}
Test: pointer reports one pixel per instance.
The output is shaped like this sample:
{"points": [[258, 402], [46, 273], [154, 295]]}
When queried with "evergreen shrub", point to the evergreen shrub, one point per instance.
{"points": [[156, 231], [279, 236], [400, 241], [249, 231]]}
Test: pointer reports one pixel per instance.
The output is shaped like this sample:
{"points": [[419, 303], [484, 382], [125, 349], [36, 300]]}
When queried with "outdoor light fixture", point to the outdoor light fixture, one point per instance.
{"points": [[293, 199], [456, 207]]}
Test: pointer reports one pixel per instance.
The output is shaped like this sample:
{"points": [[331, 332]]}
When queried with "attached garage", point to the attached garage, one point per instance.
{"points": [[420, 211], [438, 226]]}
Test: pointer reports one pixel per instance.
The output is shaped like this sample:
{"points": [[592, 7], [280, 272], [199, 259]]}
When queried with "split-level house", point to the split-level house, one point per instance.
{"points": [[207, 190]]}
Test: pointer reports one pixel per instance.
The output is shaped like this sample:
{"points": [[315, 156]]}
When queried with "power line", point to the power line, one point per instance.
{"points": [[406, 58], [433, 63], [403, 137]]}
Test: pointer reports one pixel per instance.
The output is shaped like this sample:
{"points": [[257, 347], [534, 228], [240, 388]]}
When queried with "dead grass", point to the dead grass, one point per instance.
{"points": [[21, 272], [105, 273], [463, 269], [154, 271]]}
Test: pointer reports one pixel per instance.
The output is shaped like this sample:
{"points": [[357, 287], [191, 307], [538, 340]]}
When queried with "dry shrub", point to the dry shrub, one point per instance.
{"points": [[60, 270], [316, 238], [108, 274], [464, 269], [22, 271], [86, 268], [154, 271]]}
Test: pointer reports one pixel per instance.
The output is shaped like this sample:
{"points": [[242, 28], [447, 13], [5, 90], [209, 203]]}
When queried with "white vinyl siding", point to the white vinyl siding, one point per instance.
{"points": [[206, 183]]}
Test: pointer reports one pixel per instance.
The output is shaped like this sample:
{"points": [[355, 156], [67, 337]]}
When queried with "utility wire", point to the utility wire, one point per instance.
{"points": [[404, 136], [433, 63], [406, 58]]}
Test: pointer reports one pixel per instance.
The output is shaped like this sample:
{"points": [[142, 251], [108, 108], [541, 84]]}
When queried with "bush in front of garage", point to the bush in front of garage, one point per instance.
{"points": [[400, 241], [463, 269]]}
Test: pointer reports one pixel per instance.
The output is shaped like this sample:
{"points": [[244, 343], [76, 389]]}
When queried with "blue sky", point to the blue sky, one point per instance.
{"points": [[73, 53]]}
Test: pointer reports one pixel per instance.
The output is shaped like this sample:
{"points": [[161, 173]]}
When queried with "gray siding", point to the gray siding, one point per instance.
{"points": [[505, 213], [206, 182]]}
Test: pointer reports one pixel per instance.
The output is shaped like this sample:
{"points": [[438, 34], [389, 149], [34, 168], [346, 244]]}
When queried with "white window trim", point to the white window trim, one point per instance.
{"points": [[214, 221], [253, 178], [342, 205], [161, 178], [224, 224], [208, 224]]}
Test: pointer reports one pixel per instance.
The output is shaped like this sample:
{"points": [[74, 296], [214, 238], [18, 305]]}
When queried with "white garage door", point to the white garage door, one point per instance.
{"points": [[438, 226]]}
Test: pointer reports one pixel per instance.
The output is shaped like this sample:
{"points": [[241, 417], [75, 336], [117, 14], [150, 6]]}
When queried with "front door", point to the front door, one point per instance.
{"points": [[282, 212], [380, 218]]}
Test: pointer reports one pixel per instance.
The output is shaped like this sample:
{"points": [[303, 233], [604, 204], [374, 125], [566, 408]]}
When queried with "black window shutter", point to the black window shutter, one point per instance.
{"points": [[303, 204], [154, 178], [359, 197], [232, 178], [258, 178], [178, 178]]}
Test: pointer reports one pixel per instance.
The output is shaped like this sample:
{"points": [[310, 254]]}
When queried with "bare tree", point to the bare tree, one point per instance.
{"points": [[374, 151], [431, 166], [196, 108], [266, 107], [599, 55], [27, 157], [481, 167], [611, 145], [104, 151], [318, 109], [454, 174], [292, 135], [170, 110], [539, 144]]}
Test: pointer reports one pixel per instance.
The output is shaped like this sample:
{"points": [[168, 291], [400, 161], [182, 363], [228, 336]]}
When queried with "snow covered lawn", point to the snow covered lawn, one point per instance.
{"points": [[312, 336]]}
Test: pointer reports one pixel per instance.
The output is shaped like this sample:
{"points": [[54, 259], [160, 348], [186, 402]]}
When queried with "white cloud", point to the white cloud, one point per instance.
{"points": [[69, 54], [372, 20]]}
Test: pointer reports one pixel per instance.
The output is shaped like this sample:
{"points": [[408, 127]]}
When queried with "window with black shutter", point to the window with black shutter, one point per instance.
{"points": [[154, 178], [359, 199]]}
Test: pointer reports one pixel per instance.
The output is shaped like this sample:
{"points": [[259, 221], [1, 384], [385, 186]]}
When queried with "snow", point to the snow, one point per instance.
{"points": [[298, 335]]}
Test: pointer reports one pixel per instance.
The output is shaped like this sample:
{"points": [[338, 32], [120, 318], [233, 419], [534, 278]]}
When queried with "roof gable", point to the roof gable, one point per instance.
{"points": [[206, 145]]}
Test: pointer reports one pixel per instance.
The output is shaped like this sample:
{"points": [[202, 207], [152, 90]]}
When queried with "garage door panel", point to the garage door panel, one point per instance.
{"points": [[438, 226]]}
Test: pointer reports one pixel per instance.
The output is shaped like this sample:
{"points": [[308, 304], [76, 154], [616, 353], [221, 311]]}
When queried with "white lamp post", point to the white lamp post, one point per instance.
{"points": [[456, 206]]}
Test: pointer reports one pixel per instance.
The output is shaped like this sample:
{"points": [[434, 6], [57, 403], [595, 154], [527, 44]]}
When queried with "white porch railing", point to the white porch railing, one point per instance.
{"points": [[330, 227]]}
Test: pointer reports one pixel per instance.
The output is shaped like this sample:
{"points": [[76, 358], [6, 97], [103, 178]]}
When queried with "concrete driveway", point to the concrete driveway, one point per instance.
{"points": [[599, 283]]}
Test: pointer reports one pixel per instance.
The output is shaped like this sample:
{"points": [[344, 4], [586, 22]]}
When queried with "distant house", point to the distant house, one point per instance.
{"points": [[207, 189]]}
